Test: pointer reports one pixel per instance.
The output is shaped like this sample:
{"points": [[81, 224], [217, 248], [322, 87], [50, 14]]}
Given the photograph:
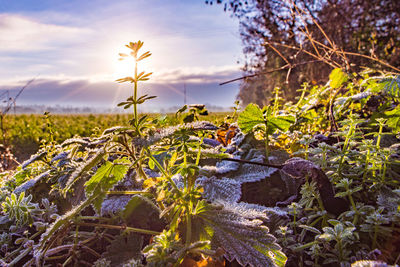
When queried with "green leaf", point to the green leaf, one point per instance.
{"points": [[337, 78], [393, 119], [81, 170], [391, 86], [250, 117], [104, 179], [188, 118], [151, 164], [182, 109], [310, 228], [282, 123]]}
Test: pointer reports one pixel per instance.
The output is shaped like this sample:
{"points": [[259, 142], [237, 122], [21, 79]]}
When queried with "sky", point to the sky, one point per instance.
{"points": [[71, 49]]}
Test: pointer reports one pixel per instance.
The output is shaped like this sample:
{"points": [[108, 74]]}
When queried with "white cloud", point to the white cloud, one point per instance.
{"points": [[22, 34], [212, 74]]}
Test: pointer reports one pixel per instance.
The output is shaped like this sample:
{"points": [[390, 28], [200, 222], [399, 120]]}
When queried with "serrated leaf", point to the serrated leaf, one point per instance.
{"points": [[89, 164], [134, 203], [337, 78], [282, 123], [104, 179], [225, 189], [393, 119], [391, 86], [250, 117], [239, 232]]}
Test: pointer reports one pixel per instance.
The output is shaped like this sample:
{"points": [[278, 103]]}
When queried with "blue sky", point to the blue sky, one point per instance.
{"points": [[72, 48]]}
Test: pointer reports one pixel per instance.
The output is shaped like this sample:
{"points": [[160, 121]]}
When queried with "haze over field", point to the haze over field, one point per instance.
{"points": [[72, 47]]}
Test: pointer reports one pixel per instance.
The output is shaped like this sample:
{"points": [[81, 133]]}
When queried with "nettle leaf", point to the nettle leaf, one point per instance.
{"points": [[38, 156], [391, 86], [139, 202], [282, 123], [393, 119], [337, 78], [250, 117], [225, 188], [240, 232], [104, 179], [85, 167]]}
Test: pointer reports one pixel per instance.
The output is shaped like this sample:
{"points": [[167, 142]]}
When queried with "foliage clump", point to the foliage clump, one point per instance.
{"points": [[314, 182]]}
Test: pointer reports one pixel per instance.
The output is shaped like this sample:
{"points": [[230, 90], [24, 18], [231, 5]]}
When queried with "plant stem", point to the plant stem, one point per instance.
{"points": [[167, 176], [118, 227], [188, 226], [135, 98]]}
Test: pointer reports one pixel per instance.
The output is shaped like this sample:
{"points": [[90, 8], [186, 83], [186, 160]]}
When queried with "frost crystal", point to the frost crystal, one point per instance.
{"points": [[224, 189], [62, 155], [178, 180], [222, 167], [112, 205], [169, 131], [29, 184], [244, 238], [33, 158]]}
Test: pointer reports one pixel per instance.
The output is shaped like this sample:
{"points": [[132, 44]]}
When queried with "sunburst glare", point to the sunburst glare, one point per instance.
{"points": [[126, 67]]}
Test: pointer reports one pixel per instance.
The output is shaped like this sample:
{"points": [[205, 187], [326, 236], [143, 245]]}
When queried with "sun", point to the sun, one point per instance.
{"points": [[126, 67], [123, 68]]}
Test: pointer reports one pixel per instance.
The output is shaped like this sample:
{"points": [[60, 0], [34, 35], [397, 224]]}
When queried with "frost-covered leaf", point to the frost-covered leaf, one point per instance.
{"points": [[389, 199], [33, 158], [391, 86], [31, 183], [113, 204], [60, 156], [249, 173], [225, 188], [75, 141], [89, 164], [393, 119], [136, 202], [221, 167], [368, 263], [239, 232]]}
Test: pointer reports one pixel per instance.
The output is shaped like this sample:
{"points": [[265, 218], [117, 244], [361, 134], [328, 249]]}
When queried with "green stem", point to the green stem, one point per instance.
{"points": [[366, 165], [135, 98], [345, 147], [20, 257], [199, 151], [126, 192], [118, 227], [166, 175], [302, 247], [375, 237], [188, 226]]}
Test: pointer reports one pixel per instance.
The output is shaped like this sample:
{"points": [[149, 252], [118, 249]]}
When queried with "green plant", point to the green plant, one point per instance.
{"points": [[19, 209], [267, 120]]}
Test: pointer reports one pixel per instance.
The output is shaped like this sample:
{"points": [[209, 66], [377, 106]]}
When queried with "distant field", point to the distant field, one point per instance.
{"points": [[25, 133]]}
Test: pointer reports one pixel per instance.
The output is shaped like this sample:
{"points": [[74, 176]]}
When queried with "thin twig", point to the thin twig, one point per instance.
{"points": [[269, 71]]}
